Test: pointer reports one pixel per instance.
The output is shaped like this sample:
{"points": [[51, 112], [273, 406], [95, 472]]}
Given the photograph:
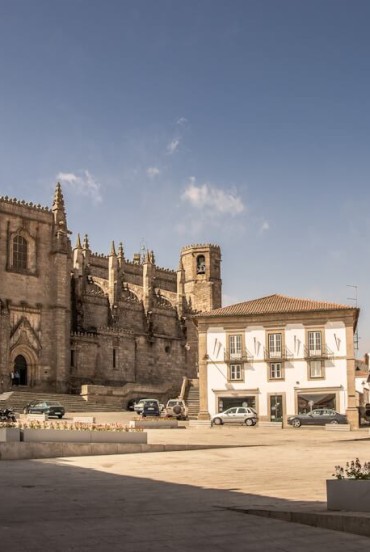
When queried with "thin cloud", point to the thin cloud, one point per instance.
{"points": [[208, 197], [265, 226], [173, 146], [152, 172], [82, 183], [181, 121]]}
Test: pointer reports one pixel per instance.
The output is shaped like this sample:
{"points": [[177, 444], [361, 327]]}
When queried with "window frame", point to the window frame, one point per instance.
{"points": [[312, 338], [232, 371], [271, 377], [235, 342], [310, 364], [20, 253], [275, 349]]}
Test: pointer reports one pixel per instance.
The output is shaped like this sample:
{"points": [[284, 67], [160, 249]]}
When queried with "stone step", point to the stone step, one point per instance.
{"points": [[72, 403]]}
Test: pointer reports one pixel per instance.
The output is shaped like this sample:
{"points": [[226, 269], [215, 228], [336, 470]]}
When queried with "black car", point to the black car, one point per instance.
{"points": [[51, 408], [320, 416], [150, 408]]}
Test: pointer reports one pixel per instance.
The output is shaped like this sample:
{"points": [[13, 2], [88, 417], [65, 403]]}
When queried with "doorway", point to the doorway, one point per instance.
{"points": [[276, 408], [20, 367]]}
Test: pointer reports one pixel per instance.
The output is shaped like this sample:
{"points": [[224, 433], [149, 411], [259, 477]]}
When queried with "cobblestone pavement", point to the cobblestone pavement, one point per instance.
{"points": [[184, 501]]}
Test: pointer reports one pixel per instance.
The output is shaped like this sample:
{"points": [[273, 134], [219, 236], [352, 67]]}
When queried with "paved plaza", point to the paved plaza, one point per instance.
{"points": [[193, 500]]}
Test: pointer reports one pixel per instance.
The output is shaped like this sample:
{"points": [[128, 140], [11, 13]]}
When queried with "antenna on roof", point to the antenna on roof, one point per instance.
{"points": [[355, 337]]}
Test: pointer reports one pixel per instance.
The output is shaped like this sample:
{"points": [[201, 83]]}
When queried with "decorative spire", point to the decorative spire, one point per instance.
{"points": [[120, 250], [113, 250], [78, 242], [58, 208], [86, 242]]}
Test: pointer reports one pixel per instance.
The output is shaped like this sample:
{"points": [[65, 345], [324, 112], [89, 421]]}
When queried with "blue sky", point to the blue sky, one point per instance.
{"points": [[170, 122]]}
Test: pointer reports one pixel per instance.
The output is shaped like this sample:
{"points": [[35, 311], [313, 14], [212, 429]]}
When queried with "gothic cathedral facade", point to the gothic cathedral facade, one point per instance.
{"points": [[70, 317]]}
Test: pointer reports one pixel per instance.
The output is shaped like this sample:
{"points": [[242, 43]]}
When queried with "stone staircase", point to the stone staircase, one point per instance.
{"points": [[192, 400], [72, 403]]}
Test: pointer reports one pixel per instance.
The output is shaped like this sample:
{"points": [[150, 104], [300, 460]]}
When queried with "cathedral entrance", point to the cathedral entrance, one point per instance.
{"points": [[20, 367]]}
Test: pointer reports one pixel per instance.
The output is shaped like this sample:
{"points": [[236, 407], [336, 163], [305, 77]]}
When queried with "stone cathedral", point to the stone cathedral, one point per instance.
{"points": [[71, 318]]}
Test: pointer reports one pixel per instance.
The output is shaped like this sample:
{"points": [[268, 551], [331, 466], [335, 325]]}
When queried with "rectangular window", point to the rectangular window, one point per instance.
{"points": [[314, 343], [316, 369], [235, 346], [73, 358], [114, 360], [235, 372], [276, 370], [275, 345]]}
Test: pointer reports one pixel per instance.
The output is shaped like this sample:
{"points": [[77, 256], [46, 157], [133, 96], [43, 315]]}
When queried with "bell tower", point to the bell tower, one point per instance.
{"points": [[201, 265]]}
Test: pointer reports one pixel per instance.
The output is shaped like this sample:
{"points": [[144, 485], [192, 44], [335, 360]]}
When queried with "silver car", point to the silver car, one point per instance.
{"points": [[237, 414]]}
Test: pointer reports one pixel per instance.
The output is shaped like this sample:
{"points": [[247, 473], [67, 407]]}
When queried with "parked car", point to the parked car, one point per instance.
{"points": [[138, 407], [131, 404], [151, 408], [176, 408], [51, 408], [320, 416], [237, 414]]}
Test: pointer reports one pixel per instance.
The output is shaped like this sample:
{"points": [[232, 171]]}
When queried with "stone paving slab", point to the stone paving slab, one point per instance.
{"points": [[193, 500]]}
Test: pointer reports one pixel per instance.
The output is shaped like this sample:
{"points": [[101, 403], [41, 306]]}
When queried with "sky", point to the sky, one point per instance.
{"points": [[243, 123]]}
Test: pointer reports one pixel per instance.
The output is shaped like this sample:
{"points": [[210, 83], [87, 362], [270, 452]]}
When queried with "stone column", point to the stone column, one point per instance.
{"points": [[202, 367], [351, 412]]}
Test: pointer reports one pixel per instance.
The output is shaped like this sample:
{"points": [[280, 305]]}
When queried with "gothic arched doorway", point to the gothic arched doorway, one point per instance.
{"points": [[20, 367]]}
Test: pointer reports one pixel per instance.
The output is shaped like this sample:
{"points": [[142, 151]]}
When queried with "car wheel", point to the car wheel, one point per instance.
{"points": [[249, 422], [334, 422], [217, 421], [60, 416], [296, 423]]}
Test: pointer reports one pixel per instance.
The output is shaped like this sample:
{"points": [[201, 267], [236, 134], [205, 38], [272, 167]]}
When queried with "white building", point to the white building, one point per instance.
{"points": [[279, 354]]}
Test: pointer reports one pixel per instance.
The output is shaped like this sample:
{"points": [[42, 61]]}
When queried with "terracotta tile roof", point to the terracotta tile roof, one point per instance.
{"points": [[275, 304]]}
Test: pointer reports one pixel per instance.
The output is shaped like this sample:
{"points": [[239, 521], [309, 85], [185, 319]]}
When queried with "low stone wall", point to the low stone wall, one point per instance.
{"points": [[71, 436], [154, 424]]}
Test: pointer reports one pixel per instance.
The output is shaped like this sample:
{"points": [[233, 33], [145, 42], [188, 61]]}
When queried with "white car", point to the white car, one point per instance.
{"points": [[238, 414], [176, 408]]}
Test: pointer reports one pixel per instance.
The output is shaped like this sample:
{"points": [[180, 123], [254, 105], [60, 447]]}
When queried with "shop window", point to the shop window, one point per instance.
{"points": [[311, 401]]}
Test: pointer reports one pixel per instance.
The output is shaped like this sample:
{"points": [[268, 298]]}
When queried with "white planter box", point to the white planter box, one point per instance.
{"points": [[10, 434], [72, 436], [352, 495]]}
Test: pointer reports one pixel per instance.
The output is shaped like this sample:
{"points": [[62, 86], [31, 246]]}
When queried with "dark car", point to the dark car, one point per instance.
{"points": [[320, 416], [150, 408], [131, 403], [51, 408]]}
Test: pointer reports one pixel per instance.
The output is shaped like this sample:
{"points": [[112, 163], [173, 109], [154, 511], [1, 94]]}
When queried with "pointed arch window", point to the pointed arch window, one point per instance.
{"points": [[20, 253]]}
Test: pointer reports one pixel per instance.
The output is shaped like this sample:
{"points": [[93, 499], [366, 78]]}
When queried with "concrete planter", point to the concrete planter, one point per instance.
{"points": [[154, 424], [55, 436], [118, 437], [10, 434], [352, 495], [72, 436]]}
